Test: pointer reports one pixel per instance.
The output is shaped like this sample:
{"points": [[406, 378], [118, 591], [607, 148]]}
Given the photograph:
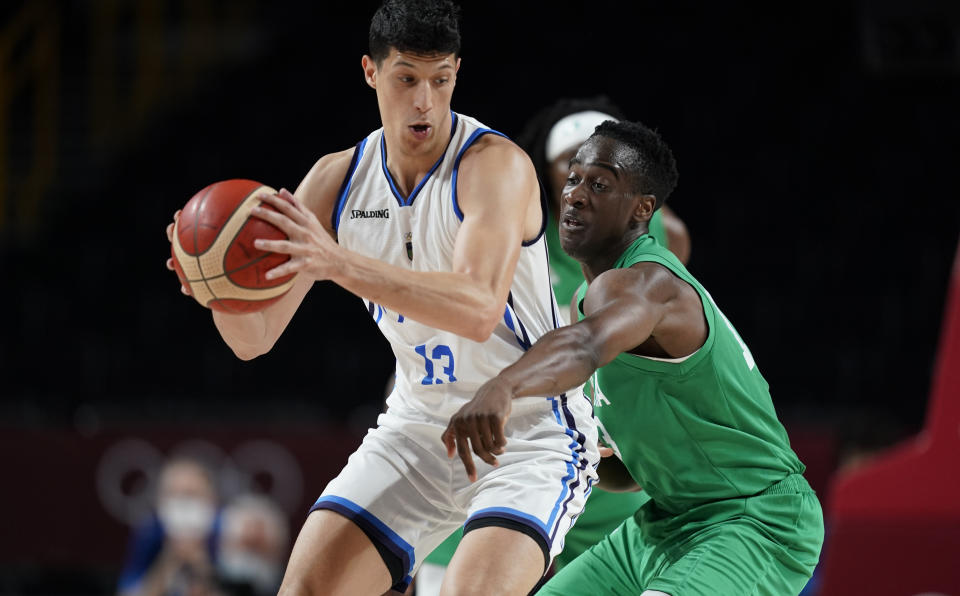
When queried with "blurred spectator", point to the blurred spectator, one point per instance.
{"points": [[253, 547], [172, 553]]}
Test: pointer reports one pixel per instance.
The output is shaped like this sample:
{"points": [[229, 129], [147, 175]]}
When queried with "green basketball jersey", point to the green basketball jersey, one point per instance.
{"points": [[701, 429], [565, 273], [443, 553]]}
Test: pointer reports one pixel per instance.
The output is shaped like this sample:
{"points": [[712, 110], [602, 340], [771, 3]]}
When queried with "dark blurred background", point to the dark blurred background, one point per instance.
{"points": [[817, 146]]}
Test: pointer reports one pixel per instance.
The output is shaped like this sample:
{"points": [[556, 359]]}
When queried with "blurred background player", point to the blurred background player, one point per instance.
{"points": [[551, 138], [458, 279], [680, 399], [174, 551], [253, 546]]}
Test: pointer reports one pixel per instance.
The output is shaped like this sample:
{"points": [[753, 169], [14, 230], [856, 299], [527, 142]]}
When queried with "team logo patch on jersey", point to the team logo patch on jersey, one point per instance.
{"points": [[370, 214], [599, 399], [408, 240]]}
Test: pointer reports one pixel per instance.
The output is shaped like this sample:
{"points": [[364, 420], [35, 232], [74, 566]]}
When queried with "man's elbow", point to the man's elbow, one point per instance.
{"points": [[247, 352], [482, 325]]}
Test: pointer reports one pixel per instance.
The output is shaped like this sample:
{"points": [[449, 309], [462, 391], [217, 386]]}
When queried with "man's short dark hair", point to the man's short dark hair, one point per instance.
{"points": [[654, 166], [422, 27]]}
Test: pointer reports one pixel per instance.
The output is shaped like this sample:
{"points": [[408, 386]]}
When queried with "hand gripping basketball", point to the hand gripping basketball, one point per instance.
{"points": [[311, 250], [213, 253]]}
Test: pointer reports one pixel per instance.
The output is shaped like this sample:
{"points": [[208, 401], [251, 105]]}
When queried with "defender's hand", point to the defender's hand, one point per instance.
{"points": [[310, 247], [479, 424], [170, 226]]}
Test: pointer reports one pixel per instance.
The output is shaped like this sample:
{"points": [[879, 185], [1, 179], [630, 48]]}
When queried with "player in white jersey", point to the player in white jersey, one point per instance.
{"points": [[437, 223]]}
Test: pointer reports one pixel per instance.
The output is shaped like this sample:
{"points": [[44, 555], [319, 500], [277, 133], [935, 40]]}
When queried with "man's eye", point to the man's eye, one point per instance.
{"points": [[571, 180], [599, 186], [406, 79], [441, 81]]}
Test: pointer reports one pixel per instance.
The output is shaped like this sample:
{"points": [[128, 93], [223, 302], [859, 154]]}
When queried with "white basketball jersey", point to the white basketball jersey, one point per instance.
{"points": [[437, 371]]}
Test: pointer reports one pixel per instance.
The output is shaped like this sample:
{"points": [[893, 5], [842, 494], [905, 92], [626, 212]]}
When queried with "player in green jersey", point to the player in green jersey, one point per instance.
{"points": [[684, 408], [551, 138]]}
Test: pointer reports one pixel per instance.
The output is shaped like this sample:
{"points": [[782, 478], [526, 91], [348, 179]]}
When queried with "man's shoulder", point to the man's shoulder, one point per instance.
{"points": [[339, 160], [647, 280], [322, 183], [498, 152], [492, 142]]}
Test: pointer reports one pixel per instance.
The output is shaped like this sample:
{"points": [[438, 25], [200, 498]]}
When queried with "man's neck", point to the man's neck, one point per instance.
{"points": [[604, 262], [408, 170]]}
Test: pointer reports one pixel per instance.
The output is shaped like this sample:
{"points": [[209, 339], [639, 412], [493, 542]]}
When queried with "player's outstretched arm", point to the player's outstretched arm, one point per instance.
{"points": [[250, 335], [498, 195], [622, 308]]}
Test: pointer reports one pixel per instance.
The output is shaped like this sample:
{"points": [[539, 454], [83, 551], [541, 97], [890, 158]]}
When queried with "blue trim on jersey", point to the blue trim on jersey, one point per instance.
{"points": [[515, 515], [347, 182], [522, 338], [574, 466], [386, 172], [456, 164], [406, 202], [402, 585], [369, 522]]}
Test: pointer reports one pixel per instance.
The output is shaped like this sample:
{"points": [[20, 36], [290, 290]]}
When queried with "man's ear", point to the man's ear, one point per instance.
{"points": [[644, 208], [369, 70]]}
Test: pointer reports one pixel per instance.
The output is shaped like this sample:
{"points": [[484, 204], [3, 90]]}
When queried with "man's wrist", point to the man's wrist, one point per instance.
{"points": [[337, 257], [507, 383]]}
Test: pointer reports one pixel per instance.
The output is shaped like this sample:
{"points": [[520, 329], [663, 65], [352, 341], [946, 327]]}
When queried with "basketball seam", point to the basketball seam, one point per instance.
{"points": [[241, 268], [215, 241], [196, 231], [239, 230], [226, 219]]}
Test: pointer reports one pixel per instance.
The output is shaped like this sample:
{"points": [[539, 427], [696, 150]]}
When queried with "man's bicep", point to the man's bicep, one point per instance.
{"points": [[493, 196], [487, 250], [619, 312], [618, 326]]}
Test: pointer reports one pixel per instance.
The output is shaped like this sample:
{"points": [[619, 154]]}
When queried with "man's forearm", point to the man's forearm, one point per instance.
{"points": [[253, 334], [559, 361], [245, 334], [445, 300]]}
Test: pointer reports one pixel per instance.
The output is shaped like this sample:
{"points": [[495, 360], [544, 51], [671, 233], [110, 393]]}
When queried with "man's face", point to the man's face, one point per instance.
{"points": [[413, 93], [599, 202]]}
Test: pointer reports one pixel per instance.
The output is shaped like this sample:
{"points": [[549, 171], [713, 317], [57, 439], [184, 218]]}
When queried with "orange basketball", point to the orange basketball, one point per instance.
{"points": [[213, 251]]}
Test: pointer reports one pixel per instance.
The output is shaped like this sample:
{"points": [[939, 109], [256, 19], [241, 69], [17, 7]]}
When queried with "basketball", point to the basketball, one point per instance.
{"points": [[213, 252]]}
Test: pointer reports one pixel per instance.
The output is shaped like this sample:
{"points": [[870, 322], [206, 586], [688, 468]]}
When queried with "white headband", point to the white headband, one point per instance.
{"points": [[571, 131]]}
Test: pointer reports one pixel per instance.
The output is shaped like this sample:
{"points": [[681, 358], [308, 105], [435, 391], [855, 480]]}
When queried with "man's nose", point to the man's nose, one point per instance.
{"points": [[574, 195], [422, 99]]}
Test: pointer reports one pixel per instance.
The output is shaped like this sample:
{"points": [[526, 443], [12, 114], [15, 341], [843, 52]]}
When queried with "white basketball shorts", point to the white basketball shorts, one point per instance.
{"points": [[404, 492]]}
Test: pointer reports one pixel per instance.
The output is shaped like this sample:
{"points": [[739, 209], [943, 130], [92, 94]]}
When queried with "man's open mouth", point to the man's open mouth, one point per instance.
{"points": [[420, 130], [571, 221]]}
